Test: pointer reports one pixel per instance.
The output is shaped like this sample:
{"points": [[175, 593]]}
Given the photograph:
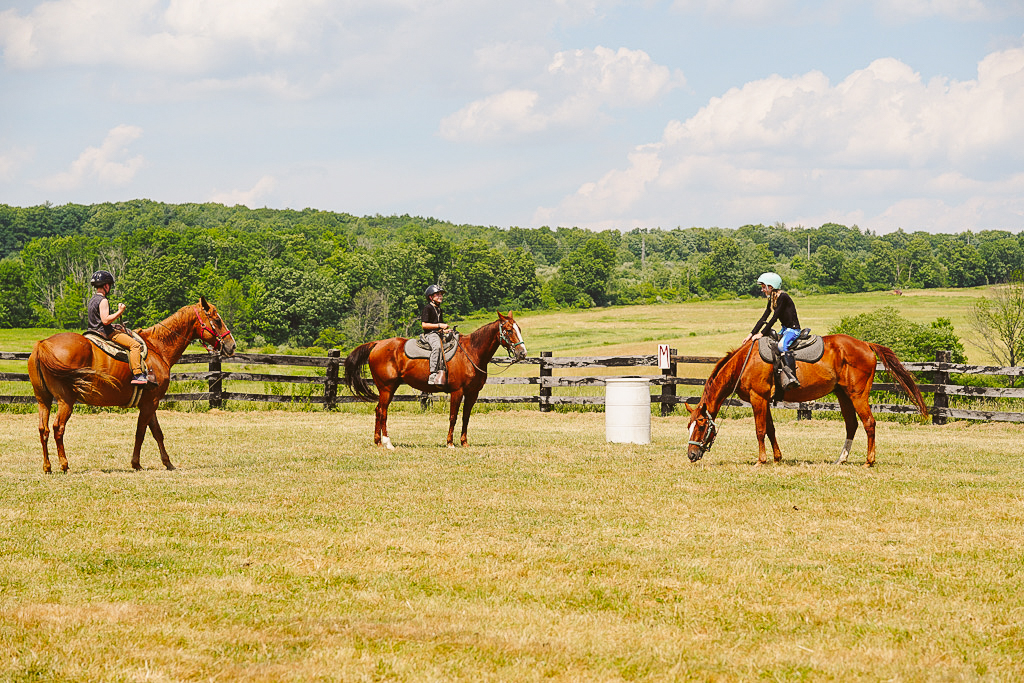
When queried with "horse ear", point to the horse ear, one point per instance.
{"points": [[204, 303], [690, 408]]}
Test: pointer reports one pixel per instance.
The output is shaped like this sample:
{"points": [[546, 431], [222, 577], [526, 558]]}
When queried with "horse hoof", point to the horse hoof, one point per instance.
{"points": [[451, 446], [386, 442], [169, 466]]}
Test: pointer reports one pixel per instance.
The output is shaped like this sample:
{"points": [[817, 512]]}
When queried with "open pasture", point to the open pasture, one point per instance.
{"points": [[288, 547]]}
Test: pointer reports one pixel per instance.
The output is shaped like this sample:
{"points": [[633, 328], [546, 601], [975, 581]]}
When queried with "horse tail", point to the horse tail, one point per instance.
{"points": [[356, 382], [895, 368], [82, 381]]}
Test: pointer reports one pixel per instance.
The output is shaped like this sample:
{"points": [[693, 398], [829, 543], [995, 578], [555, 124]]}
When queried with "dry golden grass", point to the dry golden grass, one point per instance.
{"points": [[287, 547]]}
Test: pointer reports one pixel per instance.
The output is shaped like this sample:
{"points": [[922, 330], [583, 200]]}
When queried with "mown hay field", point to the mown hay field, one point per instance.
{"points": [[287, 547]]}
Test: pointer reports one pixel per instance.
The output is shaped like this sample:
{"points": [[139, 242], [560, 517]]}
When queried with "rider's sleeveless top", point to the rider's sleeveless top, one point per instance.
{"points": [[95, 323]]}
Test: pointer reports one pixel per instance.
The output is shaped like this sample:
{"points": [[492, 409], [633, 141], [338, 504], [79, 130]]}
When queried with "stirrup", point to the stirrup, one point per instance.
{"points": [[140, 379]]}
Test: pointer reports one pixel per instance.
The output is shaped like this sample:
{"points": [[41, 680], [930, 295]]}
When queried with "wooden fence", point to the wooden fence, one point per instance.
{"points": [[327, 372]]}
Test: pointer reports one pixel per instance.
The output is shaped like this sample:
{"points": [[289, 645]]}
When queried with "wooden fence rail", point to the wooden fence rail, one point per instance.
{"points": [[328, 376]]}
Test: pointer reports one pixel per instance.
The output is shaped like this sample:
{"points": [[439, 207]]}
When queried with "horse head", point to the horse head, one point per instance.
{"points": [[211, 330], [510, 336], [703, 431]]}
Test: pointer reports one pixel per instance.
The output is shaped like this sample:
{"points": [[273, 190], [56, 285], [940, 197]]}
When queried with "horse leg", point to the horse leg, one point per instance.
{"points": [[770, 431], [760, 406], [850, 417], [453, 415], [158, 435], [44, 432], [63, 415], [863, 407], [470, 402], [380, 429]]}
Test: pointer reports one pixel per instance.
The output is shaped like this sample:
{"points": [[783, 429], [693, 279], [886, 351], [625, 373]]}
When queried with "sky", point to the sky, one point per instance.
{"points": [[601, 114]]}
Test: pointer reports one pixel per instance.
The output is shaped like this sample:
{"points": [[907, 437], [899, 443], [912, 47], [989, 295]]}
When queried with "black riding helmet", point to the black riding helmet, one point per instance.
{"points": [[100, 278], [432, 290]]}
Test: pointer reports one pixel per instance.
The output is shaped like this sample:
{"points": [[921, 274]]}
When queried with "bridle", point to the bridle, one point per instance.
{"points": [[506, 341], [215, 345], [709, 434]]}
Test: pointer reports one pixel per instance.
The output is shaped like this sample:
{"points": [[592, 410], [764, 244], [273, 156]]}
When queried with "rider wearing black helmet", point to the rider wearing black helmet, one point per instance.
{"points": [[101, 321], [432, 320]]}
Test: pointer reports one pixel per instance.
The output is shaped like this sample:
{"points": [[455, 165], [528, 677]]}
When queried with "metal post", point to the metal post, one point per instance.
{"points": [[545, 391]]}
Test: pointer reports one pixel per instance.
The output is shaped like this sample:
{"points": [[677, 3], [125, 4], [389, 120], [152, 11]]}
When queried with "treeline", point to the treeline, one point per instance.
{"points": [[334, 279]]}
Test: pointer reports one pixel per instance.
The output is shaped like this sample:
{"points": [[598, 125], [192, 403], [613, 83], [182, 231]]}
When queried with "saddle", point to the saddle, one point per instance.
{"points": [[807, 348], [116, 351], [417, 347]]}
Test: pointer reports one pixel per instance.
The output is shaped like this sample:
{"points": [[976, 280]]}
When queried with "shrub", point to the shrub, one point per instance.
{"points": [[912, 342]]}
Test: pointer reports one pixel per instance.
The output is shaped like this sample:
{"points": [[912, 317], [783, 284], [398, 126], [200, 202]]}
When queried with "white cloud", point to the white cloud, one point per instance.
{"points": [[882, 143], [573, 90], [250, 197], [889, 10], [105, 165], [302, 47], [178, 36], [12, 160]]}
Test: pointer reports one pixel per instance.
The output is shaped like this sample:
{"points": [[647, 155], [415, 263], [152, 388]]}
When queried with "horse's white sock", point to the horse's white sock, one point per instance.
{"points": [[845, 454]]}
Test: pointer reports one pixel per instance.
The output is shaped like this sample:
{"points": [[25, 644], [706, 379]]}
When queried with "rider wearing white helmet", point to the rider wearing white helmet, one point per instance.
{"points": [[780, 307]]}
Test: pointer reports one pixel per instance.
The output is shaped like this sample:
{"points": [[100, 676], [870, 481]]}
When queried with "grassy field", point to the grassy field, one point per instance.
{"points": [[287, 548]]}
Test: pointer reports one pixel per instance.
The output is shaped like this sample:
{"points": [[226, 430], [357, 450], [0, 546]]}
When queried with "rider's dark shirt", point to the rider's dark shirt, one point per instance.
{"points": [[431, 314], [785, 313], [95, 323]]}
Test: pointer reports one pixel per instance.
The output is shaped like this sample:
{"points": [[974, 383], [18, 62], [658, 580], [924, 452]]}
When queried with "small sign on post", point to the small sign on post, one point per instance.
{"points": [[664, 357]]}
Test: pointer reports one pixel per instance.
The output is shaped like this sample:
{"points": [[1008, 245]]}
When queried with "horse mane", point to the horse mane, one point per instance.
{"points": [[168, 329], [714, 379], [480, 330]]}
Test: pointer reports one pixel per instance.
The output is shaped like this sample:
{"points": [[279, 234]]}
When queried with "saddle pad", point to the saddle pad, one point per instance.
{"points": [[808, 350], [414, 348], [114, 350]]}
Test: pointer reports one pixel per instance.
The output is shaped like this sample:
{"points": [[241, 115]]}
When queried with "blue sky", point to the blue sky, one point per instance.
{"points": [[884, 114]]}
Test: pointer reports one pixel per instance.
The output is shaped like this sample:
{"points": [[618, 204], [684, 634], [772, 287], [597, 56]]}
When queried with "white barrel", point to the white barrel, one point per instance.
{"points": [[627, 410]]}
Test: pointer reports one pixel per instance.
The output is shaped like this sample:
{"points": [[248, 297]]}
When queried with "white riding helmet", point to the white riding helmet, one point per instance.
{"points": [[773, 280]]}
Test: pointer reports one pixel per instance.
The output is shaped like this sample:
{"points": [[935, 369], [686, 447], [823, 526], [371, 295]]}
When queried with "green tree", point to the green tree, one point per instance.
{"points": [[589, 268], [998, 321], [154, 288], [14, 294]]}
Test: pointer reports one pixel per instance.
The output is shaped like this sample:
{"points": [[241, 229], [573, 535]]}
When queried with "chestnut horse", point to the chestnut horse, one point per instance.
{"points": [[465, 376], [68, 367], [847, 368]]}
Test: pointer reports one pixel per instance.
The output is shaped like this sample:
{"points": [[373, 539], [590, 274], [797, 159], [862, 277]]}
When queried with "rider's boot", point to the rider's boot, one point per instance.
{"points": [[789, 380]]}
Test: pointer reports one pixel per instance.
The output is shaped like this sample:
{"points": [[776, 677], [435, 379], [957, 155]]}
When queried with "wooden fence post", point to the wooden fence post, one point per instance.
{"points": [[216, 385], [941, 378], [545, 391], [667, 390], [331, 383]]}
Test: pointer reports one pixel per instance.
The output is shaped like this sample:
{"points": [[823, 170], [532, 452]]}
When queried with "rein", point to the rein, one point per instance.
{"points": [[712, 431], [505, 342]]}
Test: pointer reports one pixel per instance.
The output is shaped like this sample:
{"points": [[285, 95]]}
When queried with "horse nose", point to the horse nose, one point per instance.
{"points": [[228, 347], [695, 453]]}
